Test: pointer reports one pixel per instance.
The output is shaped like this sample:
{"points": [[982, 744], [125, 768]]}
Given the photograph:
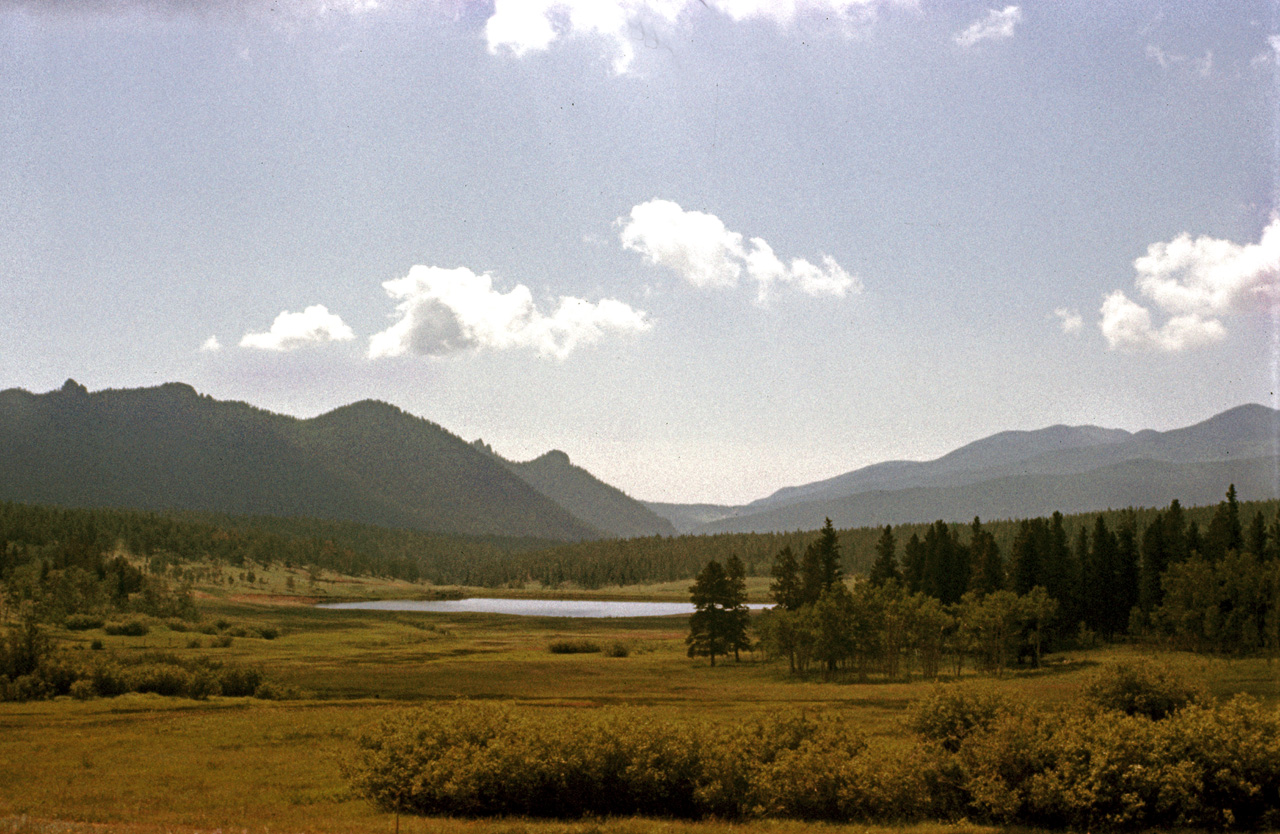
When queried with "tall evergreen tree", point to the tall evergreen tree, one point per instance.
{"points": [[1256, 538], [885, 567], [986, 568], [1154, 562], [713, 624], [820, 569], [1027, 557], [1099, 580], [787, 588], [1125, 592], [737, 605], [913, 564], [1225, 532]]}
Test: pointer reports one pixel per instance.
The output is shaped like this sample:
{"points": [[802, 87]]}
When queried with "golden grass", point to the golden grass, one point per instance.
{"points": [[142, 763]]}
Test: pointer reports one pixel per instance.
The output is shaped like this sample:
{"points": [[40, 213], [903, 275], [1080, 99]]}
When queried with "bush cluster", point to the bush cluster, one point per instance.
{"points": [[1102, 764], [482, 759], [162, 673], [573, 647]]}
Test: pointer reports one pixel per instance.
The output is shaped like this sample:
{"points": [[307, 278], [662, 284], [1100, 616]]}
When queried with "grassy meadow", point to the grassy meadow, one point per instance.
{"points": [[141, 762]]}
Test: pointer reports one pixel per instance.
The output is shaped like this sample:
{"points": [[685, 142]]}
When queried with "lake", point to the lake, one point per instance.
{"points": [[583, 608]]}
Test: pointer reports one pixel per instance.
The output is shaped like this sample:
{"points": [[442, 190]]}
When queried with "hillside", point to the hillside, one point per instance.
{"points": [[1020, 473], [171, 448], [588, 498], [1143, 483]]}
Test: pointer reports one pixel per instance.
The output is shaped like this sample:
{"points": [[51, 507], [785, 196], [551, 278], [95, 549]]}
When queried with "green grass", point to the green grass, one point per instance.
{"points": [[145, 763]]}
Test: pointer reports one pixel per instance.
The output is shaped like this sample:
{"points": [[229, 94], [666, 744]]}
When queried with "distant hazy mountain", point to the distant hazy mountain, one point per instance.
{"points": [[1142, 483], [169, 447], [688, 517], [588, 498], [1015, 473]]}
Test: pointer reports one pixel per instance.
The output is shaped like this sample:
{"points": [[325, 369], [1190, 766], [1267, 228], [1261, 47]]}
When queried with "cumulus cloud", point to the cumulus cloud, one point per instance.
{"points": [[1196, 283], [442, 311], [996, 26], [523, 26], [290, 331], [211, 345], [699, 248], [1069, 320]]}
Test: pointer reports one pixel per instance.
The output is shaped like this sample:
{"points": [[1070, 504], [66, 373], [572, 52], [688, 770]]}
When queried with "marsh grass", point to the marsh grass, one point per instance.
{"points": [[144, 763]]}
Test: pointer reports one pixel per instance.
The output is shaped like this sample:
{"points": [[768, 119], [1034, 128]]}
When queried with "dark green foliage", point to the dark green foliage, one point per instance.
{"points": [[1141, 688], [82, 622], [786, 588], [169, 447], [986, 566], [133, 627], [885, 568], [820, 567], [574, 647], [951, 713], [717, 625]]}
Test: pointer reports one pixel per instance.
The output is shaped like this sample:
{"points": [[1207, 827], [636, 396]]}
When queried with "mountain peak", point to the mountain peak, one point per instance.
{"points": [[556, 457], [73, 389]]}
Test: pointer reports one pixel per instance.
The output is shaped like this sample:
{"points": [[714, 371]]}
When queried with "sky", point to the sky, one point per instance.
{"points": [[708, 248]]}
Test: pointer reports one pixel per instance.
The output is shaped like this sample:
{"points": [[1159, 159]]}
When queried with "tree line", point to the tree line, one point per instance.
{"points": [[952, 599]]}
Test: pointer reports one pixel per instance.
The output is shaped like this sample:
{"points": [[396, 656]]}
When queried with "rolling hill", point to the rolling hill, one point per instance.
{"points": [[169, 447], [1028, 473]]}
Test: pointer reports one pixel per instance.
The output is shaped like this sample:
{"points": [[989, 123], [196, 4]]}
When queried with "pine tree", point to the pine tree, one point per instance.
{"points": [[737, 605], [787, 588], [1256, 540], [821, 567], [913, 564], [986, 566], [885, 568], [1154, 562], [712, 624]]}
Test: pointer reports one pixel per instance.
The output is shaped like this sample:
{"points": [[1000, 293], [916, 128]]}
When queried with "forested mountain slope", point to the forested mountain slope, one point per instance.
{"points": [[604, 507], [171, 448]]}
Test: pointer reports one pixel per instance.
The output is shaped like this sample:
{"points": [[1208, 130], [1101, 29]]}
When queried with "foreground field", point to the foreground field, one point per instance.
{"points": [[147, 763]]}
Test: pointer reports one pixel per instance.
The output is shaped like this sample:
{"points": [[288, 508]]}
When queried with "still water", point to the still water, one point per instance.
{"points": [[528, 607]]}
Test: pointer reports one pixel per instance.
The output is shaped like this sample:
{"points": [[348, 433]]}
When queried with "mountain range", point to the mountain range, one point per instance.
{"points": [[169, 447], [1026, 473]]}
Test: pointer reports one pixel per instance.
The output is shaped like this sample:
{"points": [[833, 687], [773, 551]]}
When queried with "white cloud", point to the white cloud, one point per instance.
{"points": [[442, 311], [523, 26], [996, 26], [294, 330], [699, 248], [694, 244], [211, 345], [1069, 320], [1197, 283]]}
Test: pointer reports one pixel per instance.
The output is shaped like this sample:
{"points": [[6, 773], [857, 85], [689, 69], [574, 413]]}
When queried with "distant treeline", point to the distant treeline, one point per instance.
{"points": [[43, 547]]}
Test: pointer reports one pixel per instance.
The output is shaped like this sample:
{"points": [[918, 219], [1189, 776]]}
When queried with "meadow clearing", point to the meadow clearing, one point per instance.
{"points": [[142, 762]]}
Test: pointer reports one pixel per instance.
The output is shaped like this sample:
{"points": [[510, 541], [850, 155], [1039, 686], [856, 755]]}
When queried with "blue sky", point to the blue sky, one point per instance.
{"points": [[709, 249]]}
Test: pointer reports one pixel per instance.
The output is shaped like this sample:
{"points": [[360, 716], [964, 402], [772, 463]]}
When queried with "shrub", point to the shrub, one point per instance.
{"points": [[1141, 688], [97, 645], [134, 627], [83, 690], [222, 641], [203, 684], [268, 633], [82, 622], [195, 643], [573, 647], [177, 625], [240, 681], [617, 650], [160, 678], [951, 713]]}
